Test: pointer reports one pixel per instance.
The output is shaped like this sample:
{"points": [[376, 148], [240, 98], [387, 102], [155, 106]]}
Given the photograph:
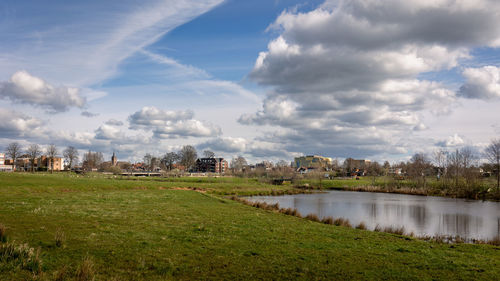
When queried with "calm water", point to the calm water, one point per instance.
{"points": [[419, 214]]}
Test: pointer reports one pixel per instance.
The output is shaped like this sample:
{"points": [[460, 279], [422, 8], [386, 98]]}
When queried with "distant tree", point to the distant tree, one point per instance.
{"points": [[282, 164], [92, 160], [147, 161], [155, 162], [169, 159], [439, 158], [208, 154], [188, 156], [238, 163], [13, 151], [418, 167], [454, 162], [374, 169], [492, 153], [386, 167], [51, 155], [71, 156], [33, 152]]}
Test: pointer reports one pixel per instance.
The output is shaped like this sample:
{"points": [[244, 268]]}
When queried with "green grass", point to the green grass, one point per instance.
{"points": [[137, 230]]}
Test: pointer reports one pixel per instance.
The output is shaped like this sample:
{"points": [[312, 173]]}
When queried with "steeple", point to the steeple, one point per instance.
{"points": [[113, 159]]}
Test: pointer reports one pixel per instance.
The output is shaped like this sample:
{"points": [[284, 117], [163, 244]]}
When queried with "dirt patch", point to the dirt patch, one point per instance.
{"points": [[189, 188]]}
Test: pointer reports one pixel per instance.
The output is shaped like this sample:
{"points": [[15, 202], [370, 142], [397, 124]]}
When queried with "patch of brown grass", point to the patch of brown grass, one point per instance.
{"points": [[361, 226], [85, 271], [313, 217]]}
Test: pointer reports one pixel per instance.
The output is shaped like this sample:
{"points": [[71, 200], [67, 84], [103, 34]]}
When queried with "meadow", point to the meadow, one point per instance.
{"points": [[105, 228]]}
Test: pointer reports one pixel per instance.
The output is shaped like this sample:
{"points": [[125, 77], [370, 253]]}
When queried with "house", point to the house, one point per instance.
{"points": [[211, 165]]}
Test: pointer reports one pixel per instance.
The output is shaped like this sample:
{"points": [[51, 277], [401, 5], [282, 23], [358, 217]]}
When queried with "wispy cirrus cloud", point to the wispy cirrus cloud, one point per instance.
{"points": [[85, 44]]}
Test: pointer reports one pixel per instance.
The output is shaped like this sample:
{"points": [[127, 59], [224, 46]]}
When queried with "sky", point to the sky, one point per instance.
{"points": [[268, 80]]}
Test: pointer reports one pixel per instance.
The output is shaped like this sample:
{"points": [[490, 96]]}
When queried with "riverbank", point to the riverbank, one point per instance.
{"points": [[148, 230], [381, 185]]}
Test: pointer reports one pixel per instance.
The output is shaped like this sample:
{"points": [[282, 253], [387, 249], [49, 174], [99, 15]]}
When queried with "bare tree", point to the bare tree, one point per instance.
{"points": [[51, 155], [454, 163], [238, 163], [418, 167], [169, 159], [33, 152], [92, 160], [188, 156], [492, 153], [13, 151], [208, 154], [71, 155], [440, 161], [147, 161]]}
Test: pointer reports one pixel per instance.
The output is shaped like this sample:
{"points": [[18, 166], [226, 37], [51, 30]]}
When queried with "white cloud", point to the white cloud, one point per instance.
{"points": [[26, 88], [451, 141], [345, 76], [171, 124], [481, 83], [114, 122], [15, 124]]}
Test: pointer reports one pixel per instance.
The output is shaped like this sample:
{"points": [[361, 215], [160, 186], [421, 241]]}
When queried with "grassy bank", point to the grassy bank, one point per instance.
{"points": [[483, 190], [147, 230]]}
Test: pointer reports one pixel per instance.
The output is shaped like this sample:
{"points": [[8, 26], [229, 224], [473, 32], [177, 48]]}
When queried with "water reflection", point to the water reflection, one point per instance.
{"points": [[420, 215]]}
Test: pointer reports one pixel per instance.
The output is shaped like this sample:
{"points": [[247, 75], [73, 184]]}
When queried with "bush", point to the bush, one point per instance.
{"points": [[85, 271], [3, 236], [59, 237], [24, 256], [361, 226], [313, 217]]}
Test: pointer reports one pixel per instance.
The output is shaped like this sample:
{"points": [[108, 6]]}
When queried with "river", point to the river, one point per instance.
{"points": [[422, 215]]}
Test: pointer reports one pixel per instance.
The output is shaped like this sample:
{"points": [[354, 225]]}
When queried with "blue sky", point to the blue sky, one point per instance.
{"points": [[263, 79]]}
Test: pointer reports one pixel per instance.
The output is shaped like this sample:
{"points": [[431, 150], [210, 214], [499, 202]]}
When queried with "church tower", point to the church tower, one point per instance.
{"points": [[113, 159]]}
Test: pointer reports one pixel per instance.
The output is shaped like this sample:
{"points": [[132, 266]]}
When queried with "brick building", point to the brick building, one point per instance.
{"points": [[211, 165]]}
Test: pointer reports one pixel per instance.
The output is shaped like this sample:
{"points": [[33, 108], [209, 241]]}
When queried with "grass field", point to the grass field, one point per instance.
{"points": [[146, 229]]}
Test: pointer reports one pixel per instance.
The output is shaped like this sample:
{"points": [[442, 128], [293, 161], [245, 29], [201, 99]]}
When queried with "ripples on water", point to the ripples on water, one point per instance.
{"points": [[424, 216]]}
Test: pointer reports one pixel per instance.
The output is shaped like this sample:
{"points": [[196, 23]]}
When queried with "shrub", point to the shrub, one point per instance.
{"points": [[377, 228], [313, 217], [23, 255], [342, 222], [361, 226], [327, 220], [3, 237], [395, 230], [59, 237], [85, 271]]}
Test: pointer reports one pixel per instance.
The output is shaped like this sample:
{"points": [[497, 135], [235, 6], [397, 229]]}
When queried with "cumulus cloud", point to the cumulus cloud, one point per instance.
{"points": [[241, 146], [15, 124], [114, 122], [451, 141], [225, 144], [345, 76], [89, 114], [481, 83], [26, 88], [171, 124]]}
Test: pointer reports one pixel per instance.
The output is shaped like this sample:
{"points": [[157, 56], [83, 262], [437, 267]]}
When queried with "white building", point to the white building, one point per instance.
{"points": [[4, 167]]}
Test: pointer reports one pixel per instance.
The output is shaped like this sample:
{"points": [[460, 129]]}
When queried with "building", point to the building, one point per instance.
{"points": [[312, 161], [3, 165], [356, 167], [46, 162], [211, 165], [114, 160]]}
